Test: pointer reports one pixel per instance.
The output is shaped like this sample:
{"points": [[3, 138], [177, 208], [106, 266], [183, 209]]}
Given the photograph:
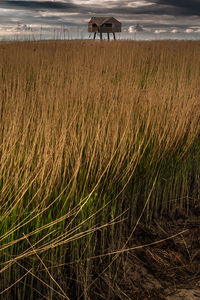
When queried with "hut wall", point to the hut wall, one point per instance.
{"points": [[90, 27], [108, 29]]}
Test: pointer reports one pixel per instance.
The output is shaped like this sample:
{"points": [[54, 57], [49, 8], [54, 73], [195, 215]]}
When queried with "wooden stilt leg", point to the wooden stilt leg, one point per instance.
{"points": [[95, 35], [108, 36], [114, 36], [101, 35]]}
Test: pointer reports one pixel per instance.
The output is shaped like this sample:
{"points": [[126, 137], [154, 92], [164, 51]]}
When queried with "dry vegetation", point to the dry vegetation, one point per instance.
{"points": [[91, 133]]}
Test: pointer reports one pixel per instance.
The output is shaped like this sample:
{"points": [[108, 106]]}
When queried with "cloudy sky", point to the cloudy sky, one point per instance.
{"points": [[68, 18]]}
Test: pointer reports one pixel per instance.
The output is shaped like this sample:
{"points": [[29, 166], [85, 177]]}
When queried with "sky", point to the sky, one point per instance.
{"points": [[141, 19]]}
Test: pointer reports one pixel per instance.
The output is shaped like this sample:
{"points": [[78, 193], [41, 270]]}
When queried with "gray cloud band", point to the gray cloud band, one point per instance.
{"points": [[156, 7], [38, 4]]}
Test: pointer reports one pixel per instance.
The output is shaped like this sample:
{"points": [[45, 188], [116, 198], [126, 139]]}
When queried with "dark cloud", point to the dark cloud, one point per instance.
{"points": [[192, 6], [179, 7], [40, 5], [155, 7]]}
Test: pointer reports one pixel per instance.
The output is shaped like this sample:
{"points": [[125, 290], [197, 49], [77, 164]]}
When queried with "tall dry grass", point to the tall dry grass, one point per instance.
{"points": [[86, 130]]}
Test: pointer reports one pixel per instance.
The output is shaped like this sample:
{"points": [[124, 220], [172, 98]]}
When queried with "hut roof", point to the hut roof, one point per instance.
{"points": [[101, 20]]}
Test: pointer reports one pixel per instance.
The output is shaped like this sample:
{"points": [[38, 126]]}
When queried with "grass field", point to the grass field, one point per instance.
{"points": [[94, 138]]}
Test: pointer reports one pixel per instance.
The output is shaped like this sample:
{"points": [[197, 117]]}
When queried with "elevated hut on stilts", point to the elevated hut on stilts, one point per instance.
{"points": [[104, 25]]}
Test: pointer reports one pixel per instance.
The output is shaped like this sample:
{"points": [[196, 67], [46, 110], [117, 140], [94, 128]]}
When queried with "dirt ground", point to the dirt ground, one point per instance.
{"points": [[169, 269]]}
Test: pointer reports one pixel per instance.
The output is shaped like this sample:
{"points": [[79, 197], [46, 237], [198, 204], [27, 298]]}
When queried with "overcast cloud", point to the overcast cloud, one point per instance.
{"points": [[68, 19]]}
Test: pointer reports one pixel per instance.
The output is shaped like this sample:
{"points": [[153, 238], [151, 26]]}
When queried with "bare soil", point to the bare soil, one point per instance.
{"points": [[167, 270]]}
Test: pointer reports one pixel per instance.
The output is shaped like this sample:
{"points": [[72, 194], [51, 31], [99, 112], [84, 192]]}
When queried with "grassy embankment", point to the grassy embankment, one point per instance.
{"points": [[90, 133]]}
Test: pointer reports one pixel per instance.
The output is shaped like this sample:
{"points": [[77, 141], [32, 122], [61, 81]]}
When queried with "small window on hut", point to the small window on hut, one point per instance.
{"points": [[94, 25]]}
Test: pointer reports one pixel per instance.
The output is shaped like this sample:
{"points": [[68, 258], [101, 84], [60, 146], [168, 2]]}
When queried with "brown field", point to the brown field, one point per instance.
{"points": [[96, 138]]}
